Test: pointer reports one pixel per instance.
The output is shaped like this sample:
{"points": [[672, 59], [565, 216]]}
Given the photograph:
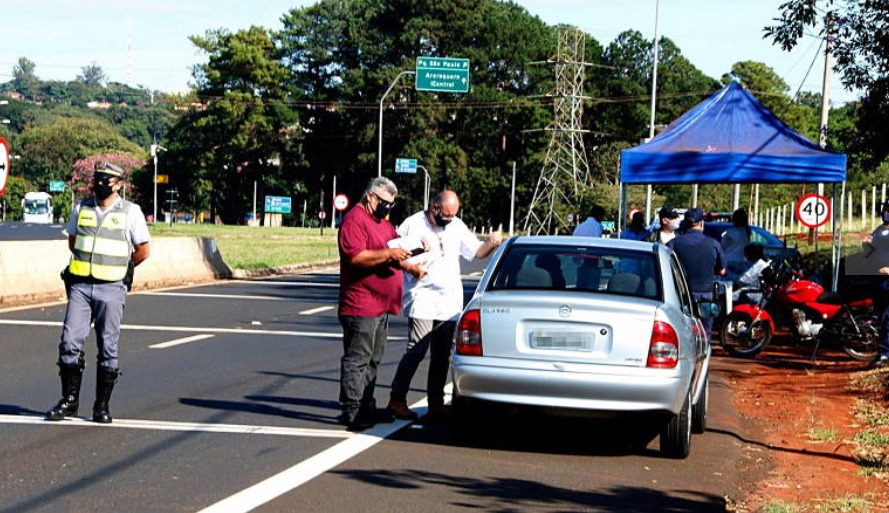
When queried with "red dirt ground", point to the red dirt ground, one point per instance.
{"points": [[784, 394]]}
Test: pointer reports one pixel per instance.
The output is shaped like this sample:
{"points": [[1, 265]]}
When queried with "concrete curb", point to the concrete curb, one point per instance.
{"points": [[29, 270]]}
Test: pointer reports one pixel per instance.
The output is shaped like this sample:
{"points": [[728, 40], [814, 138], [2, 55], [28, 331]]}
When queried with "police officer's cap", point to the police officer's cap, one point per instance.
{"points": [[107, 168]]}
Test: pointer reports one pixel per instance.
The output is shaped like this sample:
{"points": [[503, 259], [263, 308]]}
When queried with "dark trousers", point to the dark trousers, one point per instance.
{"points": [[101, 304], [424, 334], [706, 321], [364, 342]]}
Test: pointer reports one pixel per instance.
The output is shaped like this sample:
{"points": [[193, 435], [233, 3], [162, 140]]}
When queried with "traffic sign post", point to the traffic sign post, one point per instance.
{"points": [[4, 164], [442, 74], [277, 204], [813, 210], [406, 166], [340, 202]]}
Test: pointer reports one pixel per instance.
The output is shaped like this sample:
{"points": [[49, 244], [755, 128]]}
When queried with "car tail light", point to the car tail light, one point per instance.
{"points": [[469, 334], [663, 350]]}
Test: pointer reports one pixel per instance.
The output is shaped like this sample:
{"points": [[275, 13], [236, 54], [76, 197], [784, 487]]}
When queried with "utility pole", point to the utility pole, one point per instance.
{"points": [[380, 145], [657, 5]]}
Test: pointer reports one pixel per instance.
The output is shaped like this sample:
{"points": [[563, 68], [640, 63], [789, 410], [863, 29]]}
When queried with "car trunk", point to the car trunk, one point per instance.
{"points": [[572, 327]]}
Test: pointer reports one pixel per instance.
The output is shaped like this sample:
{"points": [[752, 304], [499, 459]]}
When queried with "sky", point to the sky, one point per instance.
{"points": [[145, 43]]}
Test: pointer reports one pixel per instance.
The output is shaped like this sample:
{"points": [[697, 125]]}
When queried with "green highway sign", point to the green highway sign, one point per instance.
{"points": [[406, 166], [56, 186], [442, 74], [277, 204]]}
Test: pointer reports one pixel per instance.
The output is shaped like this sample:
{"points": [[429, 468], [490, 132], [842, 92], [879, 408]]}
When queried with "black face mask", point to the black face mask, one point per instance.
{"points": [[440, 221], [102, 190], [885, 217], [382, 210]]}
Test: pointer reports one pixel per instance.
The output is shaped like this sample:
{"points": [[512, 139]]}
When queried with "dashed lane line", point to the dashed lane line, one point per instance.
{"points": [[180, 341], [316, 310]]}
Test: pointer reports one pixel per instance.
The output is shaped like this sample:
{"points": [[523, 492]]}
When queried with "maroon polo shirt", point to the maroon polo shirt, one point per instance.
{"points": [[367, 292]]}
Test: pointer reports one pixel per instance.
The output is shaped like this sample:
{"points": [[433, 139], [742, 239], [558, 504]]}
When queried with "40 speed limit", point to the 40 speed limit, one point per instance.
{"points": [[813, 210]]}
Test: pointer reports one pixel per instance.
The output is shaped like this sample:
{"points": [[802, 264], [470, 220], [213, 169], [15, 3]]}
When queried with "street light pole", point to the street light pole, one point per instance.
{"points": [[154, 148], [657, 5], [380, 145], [425, 188]]}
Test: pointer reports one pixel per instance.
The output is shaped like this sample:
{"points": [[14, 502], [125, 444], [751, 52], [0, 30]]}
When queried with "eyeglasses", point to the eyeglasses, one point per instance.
{"points": [[386, 204]]}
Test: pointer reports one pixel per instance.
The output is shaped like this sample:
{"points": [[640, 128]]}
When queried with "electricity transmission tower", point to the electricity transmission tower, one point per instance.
{"points": [[566, 163]]}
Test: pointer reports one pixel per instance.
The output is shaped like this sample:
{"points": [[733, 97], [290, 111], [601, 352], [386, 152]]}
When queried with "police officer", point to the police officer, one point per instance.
{"points": [[107, 236], [879, 242]]}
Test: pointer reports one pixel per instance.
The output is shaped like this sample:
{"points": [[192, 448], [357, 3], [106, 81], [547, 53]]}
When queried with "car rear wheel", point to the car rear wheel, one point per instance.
{"points": [[699, 410], [676, 435]]}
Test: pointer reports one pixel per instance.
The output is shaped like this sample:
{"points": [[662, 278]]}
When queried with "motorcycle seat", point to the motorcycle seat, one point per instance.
{"points": [[830, 298]]}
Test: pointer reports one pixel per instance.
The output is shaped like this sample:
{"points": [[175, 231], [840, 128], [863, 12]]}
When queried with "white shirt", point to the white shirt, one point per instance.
{"points": [[439, 295], [137, 229], [589, 228]]}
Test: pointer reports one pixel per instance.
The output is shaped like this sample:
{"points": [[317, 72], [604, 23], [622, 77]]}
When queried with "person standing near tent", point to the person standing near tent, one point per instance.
{"points": [[701, 258], [669, 223], [636, 230], [733, 242], [592, 227], [879, 241]]}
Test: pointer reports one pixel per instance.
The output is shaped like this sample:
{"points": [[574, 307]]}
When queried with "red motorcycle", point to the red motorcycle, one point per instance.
{"points": [[788, 301]]}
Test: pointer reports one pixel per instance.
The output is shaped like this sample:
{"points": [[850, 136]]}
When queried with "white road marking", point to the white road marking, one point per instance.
{"points": [[160, 425], [285, 282], [303, 472], [180, 341], [236, 296], [195, 329], [316, 310]]}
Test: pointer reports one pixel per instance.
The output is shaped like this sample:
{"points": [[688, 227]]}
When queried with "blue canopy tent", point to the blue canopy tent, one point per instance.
{"points": [[730, 138]]}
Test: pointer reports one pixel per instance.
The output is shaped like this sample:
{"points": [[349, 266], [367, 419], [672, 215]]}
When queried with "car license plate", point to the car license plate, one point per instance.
{"points": [[564, 340]]}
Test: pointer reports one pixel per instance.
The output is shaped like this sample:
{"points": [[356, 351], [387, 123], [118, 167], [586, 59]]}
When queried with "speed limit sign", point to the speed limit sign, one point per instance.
{"points": [[813, 210], [340, 202]]}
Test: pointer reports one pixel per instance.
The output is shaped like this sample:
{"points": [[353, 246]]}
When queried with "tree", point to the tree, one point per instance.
{"points": [[92, 76], [24, 79], [246, 134], [857, 34], [49, 151]]}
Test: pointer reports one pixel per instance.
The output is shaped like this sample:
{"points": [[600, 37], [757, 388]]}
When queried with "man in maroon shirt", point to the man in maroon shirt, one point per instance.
{"points": [[370, 290]]}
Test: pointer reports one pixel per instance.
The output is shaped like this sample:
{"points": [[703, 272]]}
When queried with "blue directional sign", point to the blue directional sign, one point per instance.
{"points": [[406, 166], [277, 204], [442, 74]]}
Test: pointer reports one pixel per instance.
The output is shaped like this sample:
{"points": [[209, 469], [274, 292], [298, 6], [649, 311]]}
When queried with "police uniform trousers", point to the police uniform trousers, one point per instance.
{"points": [[91, 301]]}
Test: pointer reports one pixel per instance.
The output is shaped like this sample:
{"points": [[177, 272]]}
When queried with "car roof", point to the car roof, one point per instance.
{"points": [[601, 242]]}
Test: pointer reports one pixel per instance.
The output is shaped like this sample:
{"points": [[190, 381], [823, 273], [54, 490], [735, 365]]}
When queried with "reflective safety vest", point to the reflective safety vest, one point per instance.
{"points": [[101, 251]]}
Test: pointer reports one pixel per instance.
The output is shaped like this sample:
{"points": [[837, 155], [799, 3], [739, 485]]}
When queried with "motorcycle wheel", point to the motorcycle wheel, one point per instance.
{"points": [[863, 347], [740, 336]]}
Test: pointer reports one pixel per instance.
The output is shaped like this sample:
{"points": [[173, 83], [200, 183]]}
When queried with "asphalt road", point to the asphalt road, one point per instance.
{"points": [[228, 402], [16, 230]]}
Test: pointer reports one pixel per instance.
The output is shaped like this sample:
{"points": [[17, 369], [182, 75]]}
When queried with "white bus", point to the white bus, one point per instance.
{"points": [[37, 207]]}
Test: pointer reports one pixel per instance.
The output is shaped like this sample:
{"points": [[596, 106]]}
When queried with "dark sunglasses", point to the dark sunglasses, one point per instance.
{"points": [[386, 204]]}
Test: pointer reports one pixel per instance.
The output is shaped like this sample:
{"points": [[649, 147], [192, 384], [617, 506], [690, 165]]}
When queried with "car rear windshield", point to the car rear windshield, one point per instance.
{"points": [[583, 269]]}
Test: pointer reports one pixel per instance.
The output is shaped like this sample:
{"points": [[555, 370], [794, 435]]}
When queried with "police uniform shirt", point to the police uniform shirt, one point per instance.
{"points": [[137, 228]]}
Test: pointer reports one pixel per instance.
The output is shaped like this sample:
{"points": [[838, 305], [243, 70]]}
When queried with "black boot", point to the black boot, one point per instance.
{"points": [[105, 380], [72, 376]]}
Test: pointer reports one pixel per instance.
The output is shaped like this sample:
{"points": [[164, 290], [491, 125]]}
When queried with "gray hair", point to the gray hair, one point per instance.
{"points": [[381, 183]]}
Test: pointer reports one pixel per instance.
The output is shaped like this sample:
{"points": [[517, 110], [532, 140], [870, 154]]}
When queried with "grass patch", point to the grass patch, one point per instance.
{"points": [[819, 434], [257, 247], [779, 507], [847, 504]]}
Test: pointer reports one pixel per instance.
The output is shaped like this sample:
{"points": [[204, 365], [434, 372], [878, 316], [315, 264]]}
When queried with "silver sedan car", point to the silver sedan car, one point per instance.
{"points": [[586, 326]]}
